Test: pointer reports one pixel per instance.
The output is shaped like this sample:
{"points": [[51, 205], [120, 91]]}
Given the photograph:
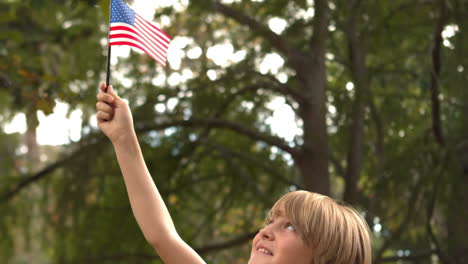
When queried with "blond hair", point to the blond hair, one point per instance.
{"points": [[336, 233]]}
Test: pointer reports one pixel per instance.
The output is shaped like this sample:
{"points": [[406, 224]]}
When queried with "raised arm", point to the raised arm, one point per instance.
{"points": [[115, 120]]}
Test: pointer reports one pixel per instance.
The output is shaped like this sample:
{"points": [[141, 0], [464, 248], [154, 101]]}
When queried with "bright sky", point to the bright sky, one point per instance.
{"points": [[54, 129]]}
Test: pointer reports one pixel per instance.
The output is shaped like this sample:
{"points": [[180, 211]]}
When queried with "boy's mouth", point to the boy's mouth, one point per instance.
{"points": [[264, 250]]}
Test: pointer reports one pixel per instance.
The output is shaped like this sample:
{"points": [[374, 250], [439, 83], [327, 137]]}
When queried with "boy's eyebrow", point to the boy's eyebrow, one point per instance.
{"points": [[278, 212]]}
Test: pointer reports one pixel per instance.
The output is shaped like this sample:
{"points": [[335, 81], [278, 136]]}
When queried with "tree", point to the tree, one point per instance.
{"points": [[375, 87]]}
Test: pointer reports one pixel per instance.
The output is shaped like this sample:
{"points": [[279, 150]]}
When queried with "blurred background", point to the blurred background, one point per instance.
{"points": [[365, 101]]}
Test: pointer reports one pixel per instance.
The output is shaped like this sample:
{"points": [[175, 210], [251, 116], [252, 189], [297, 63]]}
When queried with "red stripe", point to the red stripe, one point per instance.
{"points": [[160, 53], [128, 28], [143, 26], [160, 50], [149, 38], [139, 25], [136, 31], [138, 47], [153, 26], [147, 47], [131, 28], [152, 36]]}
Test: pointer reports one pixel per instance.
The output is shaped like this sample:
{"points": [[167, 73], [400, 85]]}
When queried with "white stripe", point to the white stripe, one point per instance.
{"points": [[161, 48], [148, 38], [155, 53], [162, 61], [139, 18], [144, 28], [145, 33], [140, 29], [159, 52], [151, 45], [142, 48]]}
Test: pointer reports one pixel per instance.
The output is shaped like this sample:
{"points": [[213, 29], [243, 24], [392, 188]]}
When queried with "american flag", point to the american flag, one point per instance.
{"points": [[129, 28]]}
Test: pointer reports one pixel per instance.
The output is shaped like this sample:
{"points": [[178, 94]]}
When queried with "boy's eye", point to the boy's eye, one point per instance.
{"points": [[269, 221], [290, 227]]}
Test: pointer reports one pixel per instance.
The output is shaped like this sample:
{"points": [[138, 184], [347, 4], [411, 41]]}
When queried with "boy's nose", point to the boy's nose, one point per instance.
{"points": [[267, 233]]}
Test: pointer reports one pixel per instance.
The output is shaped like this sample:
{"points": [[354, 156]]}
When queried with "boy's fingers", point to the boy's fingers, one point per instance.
{"points": [[102, 86], [103, 97], [111, 91], [103, 116], [101, 106]]}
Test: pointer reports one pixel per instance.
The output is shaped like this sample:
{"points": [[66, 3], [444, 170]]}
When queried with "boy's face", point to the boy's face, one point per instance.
{"points": [[279, 243]]}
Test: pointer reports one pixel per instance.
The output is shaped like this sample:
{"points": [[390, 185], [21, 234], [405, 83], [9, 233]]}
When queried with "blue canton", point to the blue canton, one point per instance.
{"points": [[120, 12]]}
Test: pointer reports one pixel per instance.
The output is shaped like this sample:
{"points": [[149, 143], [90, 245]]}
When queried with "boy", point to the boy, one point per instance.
{"points": [[302, 228]]}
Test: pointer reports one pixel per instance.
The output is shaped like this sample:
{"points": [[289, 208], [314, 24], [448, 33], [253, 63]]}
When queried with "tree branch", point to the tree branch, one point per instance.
{"points": [[223, 124], [227, 244], [272, 85], [200, 250], [379, 145], [435, 74], [4, 81], [412, 257], [275, 40], [285, 89], [214, 123], [404, 223], [337, 165], [430, 212], [249, 158], [27, 180], [402, 8]]}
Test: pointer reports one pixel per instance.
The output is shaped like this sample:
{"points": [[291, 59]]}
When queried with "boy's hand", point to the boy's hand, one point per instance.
{"points": [[114, 116]]}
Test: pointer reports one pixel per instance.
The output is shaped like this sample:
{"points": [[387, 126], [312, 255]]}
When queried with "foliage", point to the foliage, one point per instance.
{"points": [[219, 179]]}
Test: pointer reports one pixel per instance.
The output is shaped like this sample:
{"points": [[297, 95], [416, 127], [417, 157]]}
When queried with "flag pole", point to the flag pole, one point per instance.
{"points": [[108, 49], [108, 67]]}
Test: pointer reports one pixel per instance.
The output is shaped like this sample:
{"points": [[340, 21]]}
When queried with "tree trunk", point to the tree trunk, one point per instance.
{"points": [[435, 74], [311, 73], [313, 160], [359, 76], [31, 139], [33, 252], [457, 217], [457, 222], [310, 69]]}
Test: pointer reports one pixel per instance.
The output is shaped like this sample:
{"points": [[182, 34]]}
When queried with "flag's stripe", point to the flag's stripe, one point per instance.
{"points": [[119, 37], [151, 34], [133, 34], [157, 45], [125, 29], [143, 47], [152, 37], [167, 37], [129, 28], [128, 42], [148, 48]]}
